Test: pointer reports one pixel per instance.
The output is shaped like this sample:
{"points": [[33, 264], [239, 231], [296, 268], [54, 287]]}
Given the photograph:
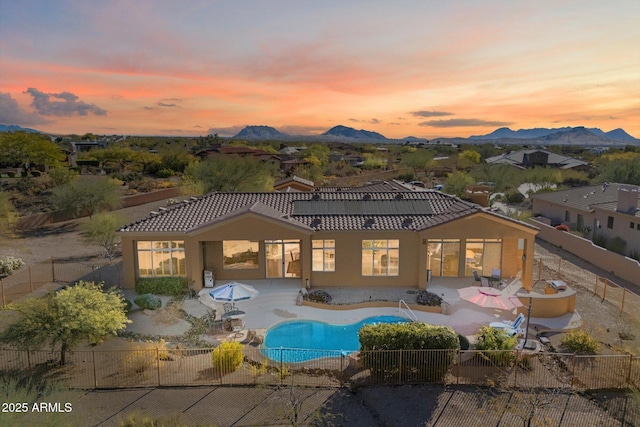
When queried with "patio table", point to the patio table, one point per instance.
{"points": [[234, 314]]}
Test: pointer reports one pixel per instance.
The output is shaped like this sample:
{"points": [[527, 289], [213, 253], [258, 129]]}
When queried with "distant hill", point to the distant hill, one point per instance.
{"points": [[564, 135], [260, 132], [347, 132], [16, 128], [620, 135]]}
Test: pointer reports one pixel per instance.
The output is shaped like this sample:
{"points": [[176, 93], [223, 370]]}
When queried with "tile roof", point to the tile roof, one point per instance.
{"points": [[585, 198], [429, 208], [517, 158]]}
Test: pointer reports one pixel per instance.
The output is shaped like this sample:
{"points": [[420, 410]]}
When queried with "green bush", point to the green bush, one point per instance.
{"points": [[580, 342], [127, 305], [617, 245], [428, 298], [497, 345], [227, 357], [161, 285], [515, 197], [412, 351], [148, 301]]}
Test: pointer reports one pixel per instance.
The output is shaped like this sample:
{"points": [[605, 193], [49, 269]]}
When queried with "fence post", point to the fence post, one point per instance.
{"points": [[400, 373], [624, 293], [604, 291], [341, 367], [458, 367], [158, 364], [4, 304], [53, 270], [281, 374], [30, 281], [629, 370], [595, 288], [515, 370], [559, 265], [95, 374], [573, 369]]}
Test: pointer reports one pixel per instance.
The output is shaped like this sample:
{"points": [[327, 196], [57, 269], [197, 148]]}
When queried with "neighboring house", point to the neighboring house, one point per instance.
{"points": [[531, 158], [608, 210], [294, 183], [77, 146], [344, 238]]}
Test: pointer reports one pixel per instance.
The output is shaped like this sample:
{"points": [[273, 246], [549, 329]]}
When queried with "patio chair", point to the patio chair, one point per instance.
{"points": [[505, 324], [484, 282], [227, 306], [495, 273], [476, 277]]}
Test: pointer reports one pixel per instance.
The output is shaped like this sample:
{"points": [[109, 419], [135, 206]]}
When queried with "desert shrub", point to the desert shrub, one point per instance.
{"points": [[414, 351], [161, 285], [9, 265], [562, 227], [165, 173], [497, 345], [406, 177], [515, 197], [318, 296], [600, 240], [617, 245], [580, 342], [428, 298], [227, 357], [148, 301], [135, 364]]}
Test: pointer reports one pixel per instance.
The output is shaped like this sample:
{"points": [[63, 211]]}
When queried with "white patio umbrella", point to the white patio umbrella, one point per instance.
{"points": [[489, 298], [230, 292]]}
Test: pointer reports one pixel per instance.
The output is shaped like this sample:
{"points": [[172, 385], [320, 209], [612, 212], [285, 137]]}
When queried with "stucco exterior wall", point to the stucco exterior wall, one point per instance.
{"points": [[623, 267], [203, 248]]}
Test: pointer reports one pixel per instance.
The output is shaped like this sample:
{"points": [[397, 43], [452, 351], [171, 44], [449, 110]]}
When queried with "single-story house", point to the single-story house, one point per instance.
{"points": [[531, 158], [354, 238], [609, 210]]}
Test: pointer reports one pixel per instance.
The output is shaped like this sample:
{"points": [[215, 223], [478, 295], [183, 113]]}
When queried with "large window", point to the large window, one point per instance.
{"points": [[323, 255], [380, 257], [483, 255], [443, 257], [240, 254], [157, 259]]}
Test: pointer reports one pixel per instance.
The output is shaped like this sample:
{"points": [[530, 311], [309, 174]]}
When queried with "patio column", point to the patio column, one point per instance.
{"points": [[527, 263]]}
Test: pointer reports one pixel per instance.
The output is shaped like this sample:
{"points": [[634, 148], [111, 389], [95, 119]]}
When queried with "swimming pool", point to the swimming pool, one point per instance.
{"points": [[318, 339]]}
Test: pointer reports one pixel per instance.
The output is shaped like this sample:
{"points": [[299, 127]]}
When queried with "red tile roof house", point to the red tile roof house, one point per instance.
{"points": [[345, 238]]}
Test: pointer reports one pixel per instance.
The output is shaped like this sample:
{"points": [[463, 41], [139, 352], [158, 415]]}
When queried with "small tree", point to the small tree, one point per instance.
{"points": [[65, 319], [101, 231], [86, 196], [8, 215]]}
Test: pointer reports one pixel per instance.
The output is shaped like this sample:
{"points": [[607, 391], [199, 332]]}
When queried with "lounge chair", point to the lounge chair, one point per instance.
{"points": [[511, 328]]}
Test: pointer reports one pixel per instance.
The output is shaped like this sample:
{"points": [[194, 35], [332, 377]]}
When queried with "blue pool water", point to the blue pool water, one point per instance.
{"points": [[319, 339]]}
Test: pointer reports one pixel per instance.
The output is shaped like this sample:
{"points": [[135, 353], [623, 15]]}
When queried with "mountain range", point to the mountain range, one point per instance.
{"points": [[16, 128], [538, 136], [579, 135], [616, 134]]}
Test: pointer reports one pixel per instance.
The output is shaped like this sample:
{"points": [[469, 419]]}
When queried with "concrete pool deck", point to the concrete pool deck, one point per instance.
{"points": [[276, 303]]}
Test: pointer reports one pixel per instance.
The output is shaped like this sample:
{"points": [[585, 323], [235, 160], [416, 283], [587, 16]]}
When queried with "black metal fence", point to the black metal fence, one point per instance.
{"points": [[160, 366]]}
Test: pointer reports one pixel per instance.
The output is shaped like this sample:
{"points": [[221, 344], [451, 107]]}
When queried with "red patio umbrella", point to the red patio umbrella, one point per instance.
{"points": [[489, 298]]}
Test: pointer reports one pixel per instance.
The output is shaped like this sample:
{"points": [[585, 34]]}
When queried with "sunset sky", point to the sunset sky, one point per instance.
{"points": [[424, 68]]}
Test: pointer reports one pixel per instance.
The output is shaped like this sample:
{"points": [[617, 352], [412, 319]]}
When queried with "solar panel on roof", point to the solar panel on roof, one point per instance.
{"points": [[362, 207]]}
